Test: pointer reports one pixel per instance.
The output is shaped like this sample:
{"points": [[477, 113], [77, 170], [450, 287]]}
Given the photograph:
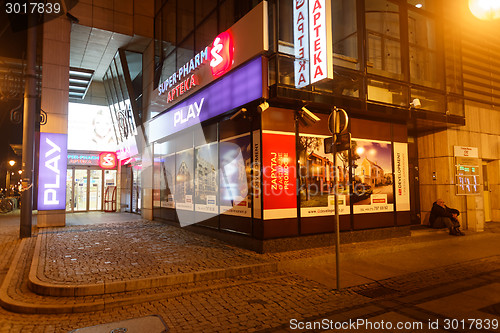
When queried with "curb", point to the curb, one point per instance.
{"points": [[14, 305], [58, 289]]}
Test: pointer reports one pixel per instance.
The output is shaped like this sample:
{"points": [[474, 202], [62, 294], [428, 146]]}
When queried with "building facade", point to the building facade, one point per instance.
{"points": [[212, 127]]}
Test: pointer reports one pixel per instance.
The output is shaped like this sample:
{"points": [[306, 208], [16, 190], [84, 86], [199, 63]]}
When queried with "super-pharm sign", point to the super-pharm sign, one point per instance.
{"points": [[219, 54]]}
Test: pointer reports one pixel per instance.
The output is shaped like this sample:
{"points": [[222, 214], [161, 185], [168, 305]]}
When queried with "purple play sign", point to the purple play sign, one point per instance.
{"points": [[235, 89], [52, 171]]}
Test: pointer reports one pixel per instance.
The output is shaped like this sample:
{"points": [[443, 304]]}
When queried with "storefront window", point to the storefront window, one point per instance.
{"points": [[387, 92], [430, 100], [185, 18], [424, 67], [382, 31], [345, 37]]}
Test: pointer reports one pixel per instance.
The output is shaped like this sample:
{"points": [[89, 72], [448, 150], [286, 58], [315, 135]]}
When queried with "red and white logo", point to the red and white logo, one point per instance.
{"points": [[222, 52], [107, 160]]}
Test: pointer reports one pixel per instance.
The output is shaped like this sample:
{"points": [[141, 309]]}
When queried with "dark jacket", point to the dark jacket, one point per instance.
{"points": [[438, 211]]}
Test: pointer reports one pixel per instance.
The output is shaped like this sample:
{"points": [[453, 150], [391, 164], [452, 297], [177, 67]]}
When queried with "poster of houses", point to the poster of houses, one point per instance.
{"points": [[235, 176], [205, 181], [373, 176], [184, 176], [317, 178], [167, 181]]}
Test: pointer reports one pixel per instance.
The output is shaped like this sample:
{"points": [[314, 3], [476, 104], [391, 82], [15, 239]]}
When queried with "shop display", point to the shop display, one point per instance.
{"points": [[205, 182], [279, 175], [235, 176], [373, 178], [317, 178], [184, 176]]}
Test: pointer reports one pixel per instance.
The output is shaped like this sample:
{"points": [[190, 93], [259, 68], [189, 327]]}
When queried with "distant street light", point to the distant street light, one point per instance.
{"points": [[12, 162], [486, 10]]}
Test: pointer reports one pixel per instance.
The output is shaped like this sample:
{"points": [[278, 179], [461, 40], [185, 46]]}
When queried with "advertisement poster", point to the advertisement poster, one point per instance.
{"points": [[168, 181], [52, 171], [235, 161], [401, 178], [317, 178], [90, 128], [372, 168], [257, 191], [279, 175], [205, 182], [184, 175]]}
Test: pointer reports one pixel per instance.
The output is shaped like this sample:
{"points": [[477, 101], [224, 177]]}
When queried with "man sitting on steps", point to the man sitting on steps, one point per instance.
{"points": [[445, 217]]}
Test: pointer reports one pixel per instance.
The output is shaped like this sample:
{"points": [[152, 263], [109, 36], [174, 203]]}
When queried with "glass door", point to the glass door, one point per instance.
{"points": [[95, 190], [80, 190], [69, 189]]}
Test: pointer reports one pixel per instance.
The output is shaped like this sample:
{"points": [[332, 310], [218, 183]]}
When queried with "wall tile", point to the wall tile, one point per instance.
{"points": [[144, 7], [57, 29], [102, 18], [56, 123], [441, 146], [485, 120], [425, 146], [143, 26], [124, 6], [54, 101], [123, 23], [55, 76], [56, 52], [445, 170], [426, 167]]}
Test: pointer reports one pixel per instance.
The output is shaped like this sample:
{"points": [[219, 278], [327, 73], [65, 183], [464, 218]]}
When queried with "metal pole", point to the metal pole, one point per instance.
{"points": [[29, 130], [337, 218]]}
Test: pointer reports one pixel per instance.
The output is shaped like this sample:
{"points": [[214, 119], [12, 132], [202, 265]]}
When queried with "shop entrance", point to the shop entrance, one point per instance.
{"points": [[85, 188]]}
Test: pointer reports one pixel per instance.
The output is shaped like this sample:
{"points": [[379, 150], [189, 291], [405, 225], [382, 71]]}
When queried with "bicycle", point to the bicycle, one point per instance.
{"points": [[6, 205]]}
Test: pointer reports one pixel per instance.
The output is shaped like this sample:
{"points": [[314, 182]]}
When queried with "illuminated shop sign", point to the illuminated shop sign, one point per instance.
{"points": [[228, 50], [312, 41], [83, 159], [107, 160], [222, 52], [320, 40], [219, 53], [301, 42], [52, 171], [235, 89]]}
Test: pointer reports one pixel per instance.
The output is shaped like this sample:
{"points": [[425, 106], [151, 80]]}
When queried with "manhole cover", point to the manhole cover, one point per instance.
{"points": [[376, 292], [150, 324]]}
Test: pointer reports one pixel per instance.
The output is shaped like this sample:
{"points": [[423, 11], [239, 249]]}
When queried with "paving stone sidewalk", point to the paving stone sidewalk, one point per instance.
{"points": [[263, 301]]}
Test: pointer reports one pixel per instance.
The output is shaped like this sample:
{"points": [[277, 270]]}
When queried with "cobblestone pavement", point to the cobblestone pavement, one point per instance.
{"points": [[256, 302], [125, 251]]}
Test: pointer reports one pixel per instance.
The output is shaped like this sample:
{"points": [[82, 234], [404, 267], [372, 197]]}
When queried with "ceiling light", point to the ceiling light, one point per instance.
{"points": [[79, 82]]}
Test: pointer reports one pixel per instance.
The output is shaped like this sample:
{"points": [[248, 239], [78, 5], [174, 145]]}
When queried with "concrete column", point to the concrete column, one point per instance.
{"points": [[55, 88]]}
